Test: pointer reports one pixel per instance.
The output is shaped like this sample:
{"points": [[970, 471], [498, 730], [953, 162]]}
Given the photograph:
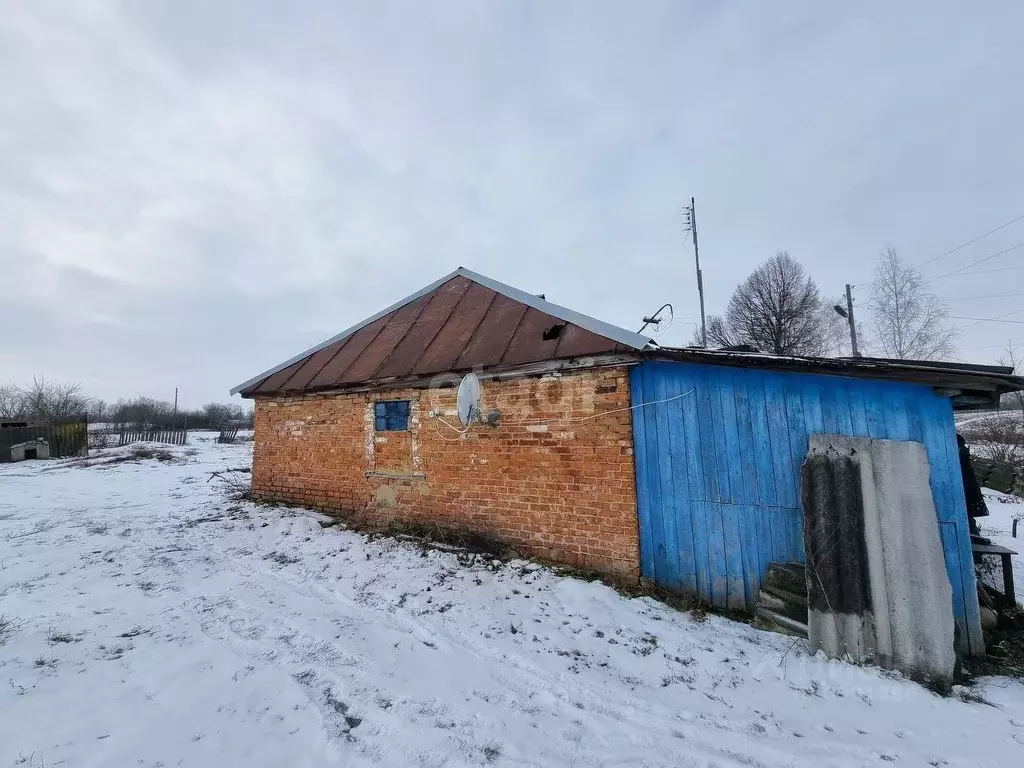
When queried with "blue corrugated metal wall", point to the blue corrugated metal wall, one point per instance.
{"points": [[718, 471]]}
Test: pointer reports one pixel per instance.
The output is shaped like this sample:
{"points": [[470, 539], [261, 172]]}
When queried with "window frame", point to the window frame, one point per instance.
{"points": [[391, 415]]}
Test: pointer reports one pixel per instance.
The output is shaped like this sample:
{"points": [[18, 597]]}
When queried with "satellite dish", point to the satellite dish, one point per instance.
{"points": [[468, 401]]}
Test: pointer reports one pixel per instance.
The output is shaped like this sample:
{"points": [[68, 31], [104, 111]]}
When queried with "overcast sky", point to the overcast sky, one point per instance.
{"points": [[193, 191]]}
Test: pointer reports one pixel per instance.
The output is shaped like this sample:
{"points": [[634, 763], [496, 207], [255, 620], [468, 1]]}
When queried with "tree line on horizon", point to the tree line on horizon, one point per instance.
{"points": [[59, 402]]}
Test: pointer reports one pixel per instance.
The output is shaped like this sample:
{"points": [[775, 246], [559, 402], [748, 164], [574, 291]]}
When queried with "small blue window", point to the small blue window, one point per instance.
{"points": [[392, 416]]}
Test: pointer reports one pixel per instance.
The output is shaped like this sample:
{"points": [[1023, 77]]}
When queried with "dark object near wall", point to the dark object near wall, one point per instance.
{"points": [[972, 490], [782, 601], [834, 538]]}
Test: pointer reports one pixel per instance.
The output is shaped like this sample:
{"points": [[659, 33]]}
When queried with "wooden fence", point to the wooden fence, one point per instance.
{"points": [[63, 439], [169, 436]]}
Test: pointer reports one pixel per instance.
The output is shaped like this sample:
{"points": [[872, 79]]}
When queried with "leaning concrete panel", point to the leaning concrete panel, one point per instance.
{"points": [[877, 583]]}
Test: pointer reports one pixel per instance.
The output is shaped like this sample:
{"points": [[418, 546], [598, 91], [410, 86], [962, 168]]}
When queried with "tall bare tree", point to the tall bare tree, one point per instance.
{"points": [[907, 320], [43, 399], [1014, 358], [778, 309], [718, 334], [11, 402], [54, 401]]}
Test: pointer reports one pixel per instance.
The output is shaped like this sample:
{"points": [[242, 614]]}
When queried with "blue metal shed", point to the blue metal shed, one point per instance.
{"points": [[718, 453]]}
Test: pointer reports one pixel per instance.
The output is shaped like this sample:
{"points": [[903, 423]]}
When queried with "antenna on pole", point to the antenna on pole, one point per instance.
{"points": [[655, 320], [690, 217]]}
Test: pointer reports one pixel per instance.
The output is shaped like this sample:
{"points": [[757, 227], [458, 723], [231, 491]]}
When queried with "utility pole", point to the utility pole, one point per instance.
{"points": [[853, 325], [175, 407], [691, 222]]}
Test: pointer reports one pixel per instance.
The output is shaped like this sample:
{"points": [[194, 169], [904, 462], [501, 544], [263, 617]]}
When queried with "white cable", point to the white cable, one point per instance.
{"points": [[462, 431], [564, 420], [603, 413], [441, 434]]}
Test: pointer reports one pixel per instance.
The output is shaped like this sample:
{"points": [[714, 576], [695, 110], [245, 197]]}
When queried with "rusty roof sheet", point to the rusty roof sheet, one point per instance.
{"points": [[462, 322]]}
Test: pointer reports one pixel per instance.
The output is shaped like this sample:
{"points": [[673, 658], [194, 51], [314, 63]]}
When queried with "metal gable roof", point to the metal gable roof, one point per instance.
{"points": [[462, 321]]}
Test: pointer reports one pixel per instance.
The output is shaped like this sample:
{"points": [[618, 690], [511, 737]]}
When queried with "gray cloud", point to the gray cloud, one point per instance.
{"points": [[191, 192]]}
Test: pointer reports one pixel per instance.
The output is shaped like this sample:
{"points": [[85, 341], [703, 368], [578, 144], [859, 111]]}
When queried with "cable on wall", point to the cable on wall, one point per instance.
{"points": [[565, 420]]}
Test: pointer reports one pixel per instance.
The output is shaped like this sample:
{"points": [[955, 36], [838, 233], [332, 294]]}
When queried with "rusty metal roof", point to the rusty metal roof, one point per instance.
{"points": [[462, 322]]}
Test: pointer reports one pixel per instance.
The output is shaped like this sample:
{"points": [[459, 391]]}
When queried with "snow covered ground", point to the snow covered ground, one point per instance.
{"points": [[1008, 415], [154, 622], [1002, 509]]}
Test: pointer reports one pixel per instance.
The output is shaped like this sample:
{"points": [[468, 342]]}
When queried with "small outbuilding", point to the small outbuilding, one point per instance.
{"points": [[602, 449], [31, 449]]}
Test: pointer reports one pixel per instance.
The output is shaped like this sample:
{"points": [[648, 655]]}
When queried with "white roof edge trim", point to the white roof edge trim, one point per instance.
{"points": [[592, 324]]}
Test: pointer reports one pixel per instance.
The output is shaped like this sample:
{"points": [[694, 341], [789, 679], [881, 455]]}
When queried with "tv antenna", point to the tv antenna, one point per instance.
{"points": [[655, 320]]}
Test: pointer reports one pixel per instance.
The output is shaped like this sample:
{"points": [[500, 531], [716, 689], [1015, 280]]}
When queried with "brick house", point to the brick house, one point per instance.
{"points": [[610, 452], [365, 423]]}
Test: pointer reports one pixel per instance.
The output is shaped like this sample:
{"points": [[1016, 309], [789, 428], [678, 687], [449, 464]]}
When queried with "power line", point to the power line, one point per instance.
{"points": [[981, 272], [996, 319], [979, 261], [993, 346], [969, 242], [990, 296], [985, 320], [871, 305]]}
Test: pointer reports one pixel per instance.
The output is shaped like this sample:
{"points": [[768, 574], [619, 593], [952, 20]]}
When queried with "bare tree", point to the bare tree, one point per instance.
{"points": [[11, 403], [43, 400], [97, 410], [216, 415], [907, 320], [718, 334], [778, 309], [1013, 358], [140, 413], [53, 401]]}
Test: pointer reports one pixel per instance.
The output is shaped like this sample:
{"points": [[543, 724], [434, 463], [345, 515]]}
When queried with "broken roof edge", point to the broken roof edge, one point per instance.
{"points": [[592, 324]]}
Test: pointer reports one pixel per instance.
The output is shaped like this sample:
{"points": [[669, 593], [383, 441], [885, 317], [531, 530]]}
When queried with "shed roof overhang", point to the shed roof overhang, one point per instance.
{"points": [[969, 386]]}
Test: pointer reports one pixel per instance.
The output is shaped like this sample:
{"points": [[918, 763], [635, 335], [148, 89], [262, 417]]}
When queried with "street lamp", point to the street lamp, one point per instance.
{"points": [[847, 312]]}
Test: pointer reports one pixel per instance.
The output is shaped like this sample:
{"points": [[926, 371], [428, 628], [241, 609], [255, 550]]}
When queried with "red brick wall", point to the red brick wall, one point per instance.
{"points": [[563, 490]]}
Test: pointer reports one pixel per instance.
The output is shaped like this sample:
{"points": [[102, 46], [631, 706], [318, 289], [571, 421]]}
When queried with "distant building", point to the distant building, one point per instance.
{"points": [[31, 449]]}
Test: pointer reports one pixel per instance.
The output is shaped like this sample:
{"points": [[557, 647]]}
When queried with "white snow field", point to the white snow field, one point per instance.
{"points": [[1002, 509], [152, 621]]}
